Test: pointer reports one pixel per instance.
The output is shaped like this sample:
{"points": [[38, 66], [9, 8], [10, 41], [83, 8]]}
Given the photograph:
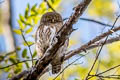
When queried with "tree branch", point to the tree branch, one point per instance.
{"points": [[91, 42]]}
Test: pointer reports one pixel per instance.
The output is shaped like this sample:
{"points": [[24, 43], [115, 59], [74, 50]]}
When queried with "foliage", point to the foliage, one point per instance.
{"points": [[102, 8]]}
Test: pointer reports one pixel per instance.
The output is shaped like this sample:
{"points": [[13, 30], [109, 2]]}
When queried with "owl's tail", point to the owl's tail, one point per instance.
{"points": [[56, 68]]}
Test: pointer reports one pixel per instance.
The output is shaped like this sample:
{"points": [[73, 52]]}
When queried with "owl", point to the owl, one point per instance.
{"points": [[50, 24]]}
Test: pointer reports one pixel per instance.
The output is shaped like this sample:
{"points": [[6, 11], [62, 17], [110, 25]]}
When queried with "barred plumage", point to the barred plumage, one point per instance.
{"points": [[50, 24]]}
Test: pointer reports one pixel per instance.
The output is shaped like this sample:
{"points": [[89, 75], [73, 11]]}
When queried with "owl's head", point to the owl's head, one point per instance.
{"points": [[51, 17]]}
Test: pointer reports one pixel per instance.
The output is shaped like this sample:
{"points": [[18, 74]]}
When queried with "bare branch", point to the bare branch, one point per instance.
{"points": [[108, 77], [90, 45], [95, 21], [17, 77], [109, 69], [16, 63], [27, 45]]}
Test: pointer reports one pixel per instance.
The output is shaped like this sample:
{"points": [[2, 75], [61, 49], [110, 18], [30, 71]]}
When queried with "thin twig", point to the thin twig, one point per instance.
{"points": [[2, 57], [16, 63], [69, 65], [49, 5], [104, 71], [100, 50], [109, 69], [92, 20], [109, 76], [27, 45], [95, 21], [17, 77]]}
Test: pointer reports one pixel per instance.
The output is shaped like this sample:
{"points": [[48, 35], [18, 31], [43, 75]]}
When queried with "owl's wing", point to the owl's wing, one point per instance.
{"points": [[44, 37]]}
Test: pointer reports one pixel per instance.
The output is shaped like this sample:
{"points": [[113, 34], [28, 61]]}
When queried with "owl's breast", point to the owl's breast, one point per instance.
{"points": [[44, 37]]}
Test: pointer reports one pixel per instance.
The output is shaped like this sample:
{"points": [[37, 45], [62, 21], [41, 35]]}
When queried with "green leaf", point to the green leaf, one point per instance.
{"points": [[1, 58], [76, 79], [28, 57], [29, 30], [7, 69], [27, 65], [18, 68], [12, 60], [18, 48], [33, 7], [27, 10], [17, 31], [34, 54], [29, 43], [52, 1], [9, 75], [24, 53]]}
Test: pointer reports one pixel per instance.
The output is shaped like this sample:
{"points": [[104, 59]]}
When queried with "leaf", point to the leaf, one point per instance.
{"points": [[7, 69], [9, 75], [29, 43], [76, 79], [21, 25], [43, 5], [27, 65], [52, 1], [27, 11], [18, 68], [33, 7], [36, 19], [29, 30], [18, 48], [29, 21], [17, 31], [1, 58], [24, 53], [28, 57], [34, 54], [12, 60], [22, 18]]}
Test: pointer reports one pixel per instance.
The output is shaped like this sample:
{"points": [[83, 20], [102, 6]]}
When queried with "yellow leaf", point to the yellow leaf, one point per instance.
{"points": [[29, 20], [36, 19], [29, 30], [72, 42], [102, 8], [43, 5], [114, 48], [29, 43], [21, 25], [17, 31]]}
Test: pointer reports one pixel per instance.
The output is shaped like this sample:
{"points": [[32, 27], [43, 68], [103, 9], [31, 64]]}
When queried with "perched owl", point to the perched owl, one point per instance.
{"points": [[50, 24]]}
